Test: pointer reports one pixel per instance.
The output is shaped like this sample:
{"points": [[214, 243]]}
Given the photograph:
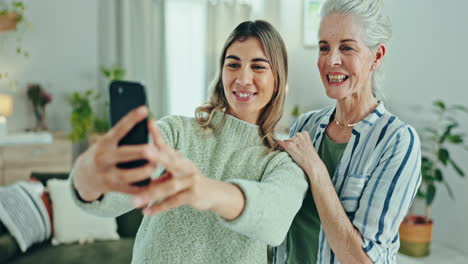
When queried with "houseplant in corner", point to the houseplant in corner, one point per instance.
{"points": [[437, 162]]}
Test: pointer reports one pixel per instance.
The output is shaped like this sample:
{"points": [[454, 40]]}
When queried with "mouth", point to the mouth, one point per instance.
{"points": [[244, 95], [337, 79]]}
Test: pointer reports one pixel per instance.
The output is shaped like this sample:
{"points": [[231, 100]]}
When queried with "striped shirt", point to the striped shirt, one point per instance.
{"points": [[376, 178]]}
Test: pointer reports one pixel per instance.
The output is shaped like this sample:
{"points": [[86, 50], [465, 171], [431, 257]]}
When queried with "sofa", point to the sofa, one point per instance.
{"points": [[109, 251]]}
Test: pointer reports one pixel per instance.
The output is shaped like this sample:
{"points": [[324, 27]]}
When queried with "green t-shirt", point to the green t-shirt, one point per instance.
{"points": [[303, 236]]}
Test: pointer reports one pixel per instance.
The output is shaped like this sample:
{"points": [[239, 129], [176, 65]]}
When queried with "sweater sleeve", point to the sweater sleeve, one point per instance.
{"points": [[115, 204], [272, 203]]}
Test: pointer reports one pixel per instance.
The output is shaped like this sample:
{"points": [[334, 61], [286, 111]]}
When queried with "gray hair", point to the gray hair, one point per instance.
{"points": [[376, 28]]}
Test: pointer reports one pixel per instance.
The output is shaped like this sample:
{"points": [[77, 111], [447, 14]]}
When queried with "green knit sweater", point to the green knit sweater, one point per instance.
{"points": [[273, 185]]}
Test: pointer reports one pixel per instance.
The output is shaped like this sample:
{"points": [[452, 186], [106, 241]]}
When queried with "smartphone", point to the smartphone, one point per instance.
{"points": [[124, 97]]}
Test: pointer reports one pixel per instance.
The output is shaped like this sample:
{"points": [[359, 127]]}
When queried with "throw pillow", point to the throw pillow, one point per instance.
{"points": [[46, 200], [23, 213], [71, 223]]}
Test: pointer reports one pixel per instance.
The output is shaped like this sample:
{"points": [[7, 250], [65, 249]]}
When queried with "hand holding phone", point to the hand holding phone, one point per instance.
{"points": [[124, 97]]}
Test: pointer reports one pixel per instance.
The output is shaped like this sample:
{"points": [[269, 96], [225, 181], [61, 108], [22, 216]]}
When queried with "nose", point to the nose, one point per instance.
{"points": [[334, 58], [244, 77]]}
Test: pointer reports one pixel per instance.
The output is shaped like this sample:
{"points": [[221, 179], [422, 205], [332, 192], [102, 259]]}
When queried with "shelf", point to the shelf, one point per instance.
{"points": [[26, 139]]}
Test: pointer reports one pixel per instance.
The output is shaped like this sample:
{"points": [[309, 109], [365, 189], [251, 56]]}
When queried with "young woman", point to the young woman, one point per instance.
{"points": [[226, 192]]}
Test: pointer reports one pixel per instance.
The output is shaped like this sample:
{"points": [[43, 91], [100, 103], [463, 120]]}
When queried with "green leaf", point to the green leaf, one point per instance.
{"points": [[426, 162], [457, 168], [449, 190], [430, 195], [447, 131], [420, 194], [440, 105], [443, 156], [455, 139], [101, 125], [19, 5], [438, 175]]}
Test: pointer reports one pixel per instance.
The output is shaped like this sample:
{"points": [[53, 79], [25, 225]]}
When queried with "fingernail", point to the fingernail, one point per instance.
{"points": [[146, 212]]}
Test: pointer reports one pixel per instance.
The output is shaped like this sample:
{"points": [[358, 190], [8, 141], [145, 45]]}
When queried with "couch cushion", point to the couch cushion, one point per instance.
{"points": [[8, 247], [127, 224], [3, 229], [45, 176], [102, 252]]}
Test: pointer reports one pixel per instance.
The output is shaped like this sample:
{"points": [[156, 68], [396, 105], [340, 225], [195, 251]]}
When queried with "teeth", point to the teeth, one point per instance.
{"points": [[336, 78], [243, 95]]}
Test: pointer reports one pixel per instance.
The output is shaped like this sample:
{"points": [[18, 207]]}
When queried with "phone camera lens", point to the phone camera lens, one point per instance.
{"points": [[120, 90]]}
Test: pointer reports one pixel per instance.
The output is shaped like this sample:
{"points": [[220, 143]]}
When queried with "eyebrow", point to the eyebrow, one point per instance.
{"points": [[342, 41], [254, 60]]}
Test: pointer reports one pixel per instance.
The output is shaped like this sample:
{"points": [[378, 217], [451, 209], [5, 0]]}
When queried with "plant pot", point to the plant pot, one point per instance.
{"points": [[415, 236], [8, 21]]}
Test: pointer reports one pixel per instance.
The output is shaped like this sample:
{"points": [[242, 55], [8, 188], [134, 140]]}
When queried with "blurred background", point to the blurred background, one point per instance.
{"points": [[172, 46]]}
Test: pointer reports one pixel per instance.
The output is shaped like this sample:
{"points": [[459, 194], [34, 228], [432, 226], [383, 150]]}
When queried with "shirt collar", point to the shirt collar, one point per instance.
{"points": [[362, 126]]}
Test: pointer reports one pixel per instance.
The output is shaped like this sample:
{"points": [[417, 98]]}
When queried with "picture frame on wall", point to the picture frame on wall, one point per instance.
{"points": [[311, 22]]}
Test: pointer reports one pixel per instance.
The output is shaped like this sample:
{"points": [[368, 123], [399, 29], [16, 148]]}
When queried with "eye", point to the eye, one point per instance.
{"points": [[258, 67], [346, 48], [233, 65], [323, 49]]}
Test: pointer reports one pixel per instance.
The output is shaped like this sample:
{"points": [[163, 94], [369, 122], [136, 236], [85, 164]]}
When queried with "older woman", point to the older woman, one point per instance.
{"points": [[363, 163], [227, 193]]}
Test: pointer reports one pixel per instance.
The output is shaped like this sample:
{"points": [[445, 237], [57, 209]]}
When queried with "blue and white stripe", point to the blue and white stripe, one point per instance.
{"points": [[376, 179]]}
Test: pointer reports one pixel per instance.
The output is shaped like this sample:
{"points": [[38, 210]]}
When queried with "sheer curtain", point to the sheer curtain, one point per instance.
{"points": [[222, 17], [186, 64], [131, 35], [172, 46]]}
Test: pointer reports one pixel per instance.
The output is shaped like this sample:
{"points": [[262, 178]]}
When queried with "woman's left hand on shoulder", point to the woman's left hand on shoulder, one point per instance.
{"points": [[181, 184], [301, 149]]}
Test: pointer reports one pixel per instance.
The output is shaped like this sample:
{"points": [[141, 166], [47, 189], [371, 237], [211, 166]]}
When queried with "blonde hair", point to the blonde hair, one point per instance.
{"points": [[275, 51]]}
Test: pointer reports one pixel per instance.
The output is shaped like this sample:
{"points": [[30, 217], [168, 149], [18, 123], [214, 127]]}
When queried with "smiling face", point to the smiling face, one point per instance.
{"points": [[248, 79], [345, 62]]}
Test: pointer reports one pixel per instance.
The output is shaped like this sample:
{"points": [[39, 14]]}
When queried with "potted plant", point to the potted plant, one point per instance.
{"points": [[101, 121], [437, 141], [39, 99], [87, 123], [11, 14], [81, 117]]}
